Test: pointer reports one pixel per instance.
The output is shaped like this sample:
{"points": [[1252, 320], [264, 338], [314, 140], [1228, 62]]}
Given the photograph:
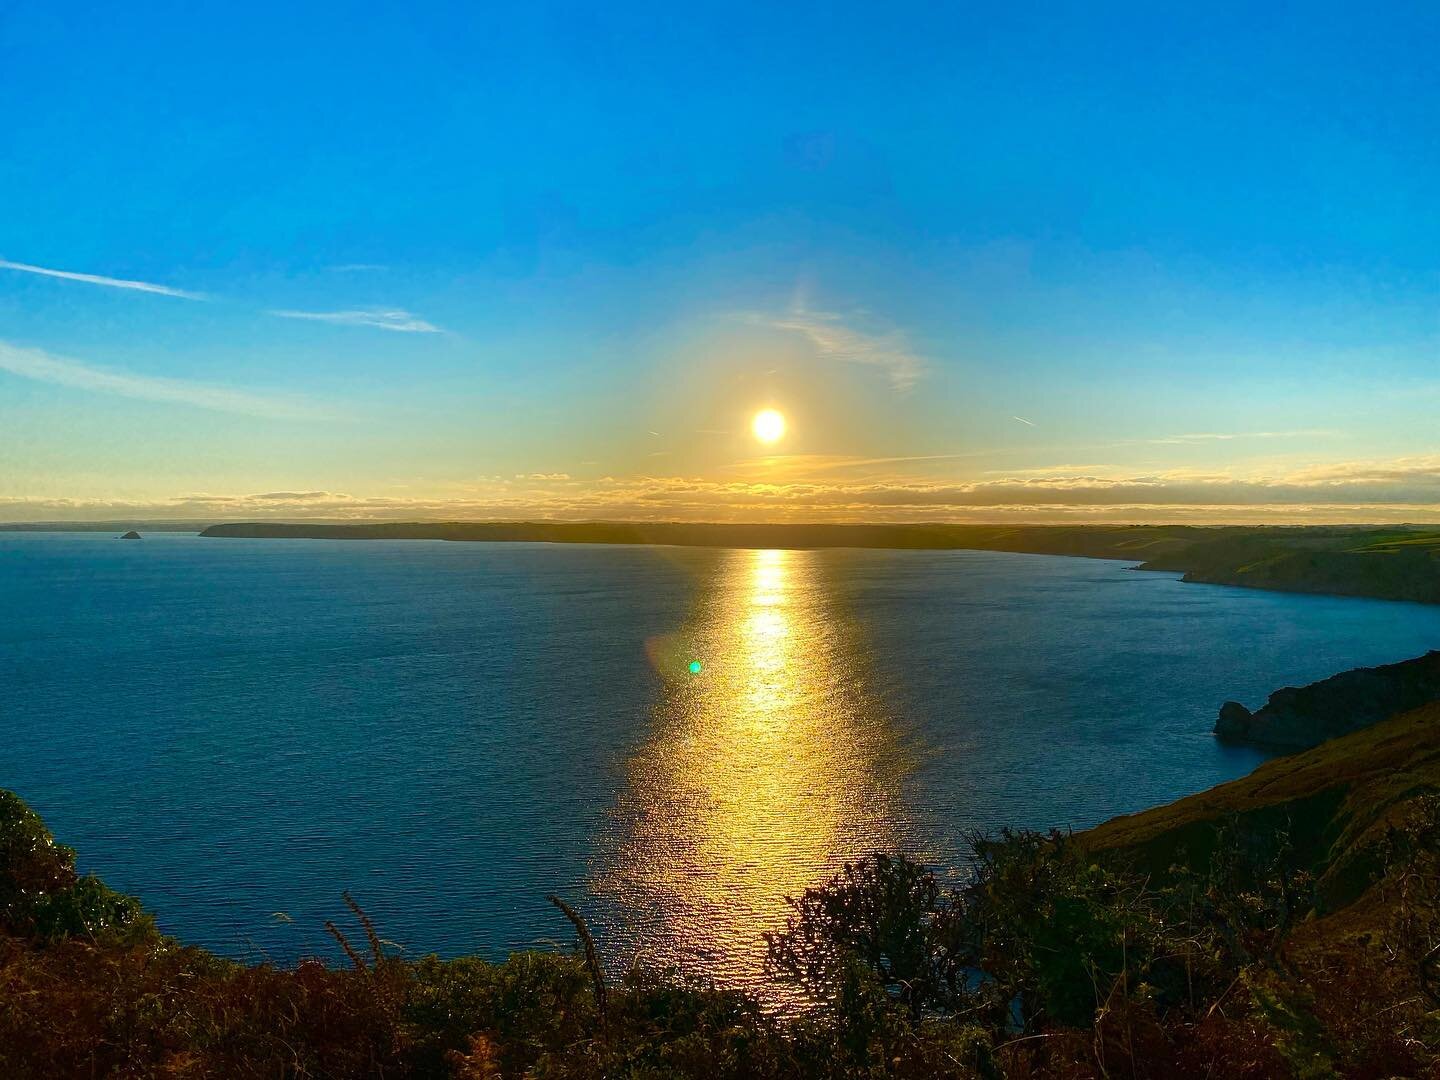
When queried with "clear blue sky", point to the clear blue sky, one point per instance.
{"points": [[992, 261]]}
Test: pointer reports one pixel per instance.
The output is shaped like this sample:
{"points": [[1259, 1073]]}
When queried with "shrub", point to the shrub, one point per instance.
{"points": [[883, 920], [1047, 962], [41, 895]]}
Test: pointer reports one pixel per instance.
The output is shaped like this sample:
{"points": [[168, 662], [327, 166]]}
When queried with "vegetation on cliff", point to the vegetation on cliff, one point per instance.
{"points": [[1387, 564], [1286, 924]]}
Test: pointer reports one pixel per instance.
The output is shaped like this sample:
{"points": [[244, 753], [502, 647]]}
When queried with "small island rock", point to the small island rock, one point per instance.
{"points": [[132, 535], [1234, 721]]}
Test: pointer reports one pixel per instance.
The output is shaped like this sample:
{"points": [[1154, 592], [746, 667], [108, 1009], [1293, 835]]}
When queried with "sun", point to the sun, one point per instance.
{"points": [[768, 425]]}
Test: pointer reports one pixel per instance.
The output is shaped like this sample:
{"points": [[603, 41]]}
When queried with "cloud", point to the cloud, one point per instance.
{"points": [[381, 318], [393, 319], [34, 364], [1423, 468], [96, 279], [804, 465], [833, 338], [1398, 490], [1215, 436], [681, 504]]}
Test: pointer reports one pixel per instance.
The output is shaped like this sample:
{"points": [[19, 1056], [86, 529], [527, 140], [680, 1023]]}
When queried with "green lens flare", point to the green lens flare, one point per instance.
{"points": [[695, 667]]}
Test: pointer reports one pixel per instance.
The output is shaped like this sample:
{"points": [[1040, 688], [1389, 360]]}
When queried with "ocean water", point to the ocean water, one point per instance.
{"points": [[233, 729]]}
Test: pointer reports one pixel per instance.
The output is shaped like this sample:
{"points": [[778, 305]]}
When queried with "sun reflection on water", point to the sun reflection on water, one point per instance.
{"points": [[764, 772]]}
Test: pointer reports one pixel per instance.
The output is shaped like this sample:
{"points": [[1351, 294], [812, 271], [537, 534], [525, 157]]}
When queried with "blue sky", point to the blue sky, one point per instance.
{"points": [[467, 260]]}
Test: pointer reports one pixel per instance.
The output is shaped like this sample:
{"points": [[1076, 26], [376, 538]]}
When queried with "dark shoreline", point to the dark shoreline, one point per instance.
{"points": [[1396, 562], [1377, 562]]}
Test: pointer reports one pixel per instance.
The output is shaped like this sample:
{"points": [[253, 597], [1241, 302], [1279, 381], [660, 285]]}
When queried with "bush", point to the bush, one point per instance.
{"points": [[881, 919], [1046, 962], [533, 1005], [41, 895]]}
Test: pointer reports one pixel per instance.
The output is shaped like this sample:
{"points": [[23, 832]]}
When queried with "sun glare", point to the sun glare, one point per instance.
{"points": [[768, 425]]}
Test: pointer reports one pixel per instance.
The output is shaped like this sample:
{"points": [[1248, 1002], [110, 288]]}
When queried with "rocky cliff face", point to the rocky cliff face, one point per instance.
{"points": [[1297, 718]]}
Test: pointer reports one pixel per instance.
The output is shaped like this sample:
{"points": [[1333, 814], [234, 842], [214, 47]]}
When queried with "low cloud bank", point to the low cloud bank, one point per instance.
{"points": [[1406, 489]]}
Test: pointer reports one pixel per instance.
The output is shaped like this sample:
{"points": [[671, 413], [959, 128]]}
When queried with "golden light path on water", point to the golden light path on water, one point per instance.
{"points": [[763, 773]]}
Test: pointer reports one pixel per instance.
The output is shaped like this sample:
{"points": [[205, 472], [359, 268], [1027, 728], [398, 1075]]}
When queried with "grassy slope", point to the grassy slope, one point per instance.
{"points": [[1336, 801], [1388, 564]]}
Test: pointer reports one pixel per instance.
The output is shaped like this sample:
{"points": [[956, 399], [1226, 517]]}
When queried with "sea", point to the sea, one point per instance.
{"points": [[673, 740]]}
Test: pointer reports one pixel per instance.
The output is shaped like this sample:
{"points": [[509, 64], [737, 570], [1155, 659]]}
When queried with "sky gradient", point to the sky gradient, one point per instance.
{"points": [[993, 262]]}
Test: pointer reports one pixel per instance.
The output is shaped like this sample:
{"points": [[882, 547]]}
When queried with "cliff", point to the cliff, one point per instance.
{"points": [[1296, 718]]}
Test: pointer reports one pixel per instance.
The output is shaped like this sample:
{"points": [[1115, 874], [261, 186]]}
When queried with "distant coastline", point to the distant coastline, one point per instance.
{"points": [[119, 525], [1394, 562], [1377, 562]]}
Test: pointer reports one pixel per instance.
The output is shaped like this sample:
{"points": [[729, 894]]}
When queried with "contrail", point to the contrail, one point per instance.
{"points": [[98, 279], [1022, 420]]}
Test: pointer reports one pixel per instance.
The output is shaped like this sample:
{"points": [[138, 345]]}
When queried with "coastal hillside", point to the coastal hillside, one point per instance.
{"points": [[1337, 806], [1392, 563], [1387, 564]]}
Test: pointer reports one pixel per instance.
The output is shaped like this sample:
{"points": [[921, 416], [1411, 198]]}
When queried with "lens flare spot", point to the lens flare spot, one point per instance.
{"points": [[695, 667]]}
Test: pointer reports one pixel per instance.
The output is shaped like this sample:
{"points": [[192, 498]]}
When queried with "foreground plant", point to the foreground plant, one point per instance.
{"points": [[1047, 961]]}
